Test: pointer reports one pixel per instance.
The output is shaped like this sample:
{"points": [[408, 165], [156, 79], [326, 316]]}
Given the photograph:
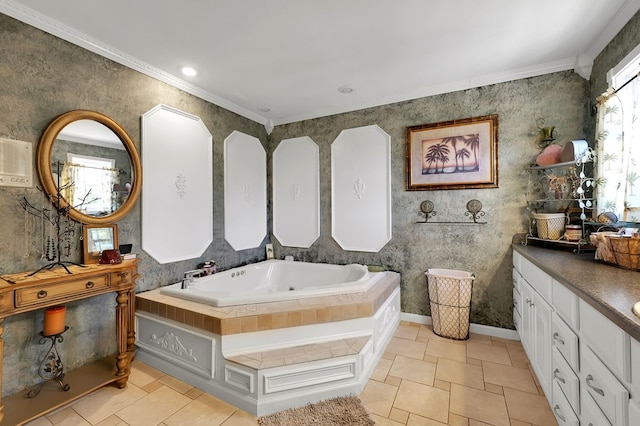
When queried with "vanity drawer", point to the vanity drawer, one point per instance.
{"points": [[42, 294], [565, 303], [608, 341], [516, 277], [538, 279], [517, 261], [122, 278], [567, 380], [562, 410], [604, 388], [6, 301], [590, 414], [517, 300], [566, 341]]}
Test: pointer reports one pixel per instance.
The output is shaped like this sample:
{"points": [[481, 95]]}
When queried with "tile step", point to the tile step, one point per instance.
{"points": [[292, 355]]}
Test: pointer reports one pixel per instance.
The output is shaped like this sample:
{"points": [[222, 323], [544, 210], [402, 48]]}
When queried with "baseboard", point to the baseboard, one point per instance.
{"points": [[473, 328]]}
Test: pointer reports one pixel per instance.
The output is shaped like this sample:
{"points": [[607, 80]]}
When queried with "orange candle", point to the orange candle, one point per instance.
{"points": [[54, 320]]}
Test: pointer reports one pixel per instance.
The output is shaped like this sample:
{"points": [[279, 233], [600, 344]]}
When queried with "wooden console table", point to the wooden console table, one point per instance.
{"points": [[22, 293]]}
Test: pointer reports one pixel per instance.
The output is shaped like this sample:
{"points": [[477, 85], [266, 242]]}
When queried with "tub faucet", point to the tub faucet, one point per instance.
{"points": [[189, 277]]}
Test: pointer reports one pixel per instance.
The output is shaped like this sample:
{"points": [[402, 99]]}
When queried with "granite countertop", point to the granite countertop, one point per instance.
{"points": [[611, 290]]}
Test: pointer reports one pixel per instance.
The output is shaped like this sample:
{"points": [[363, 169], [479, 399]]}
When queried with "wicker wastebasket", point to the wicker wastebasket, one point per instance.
{"points": [[450, 302]]}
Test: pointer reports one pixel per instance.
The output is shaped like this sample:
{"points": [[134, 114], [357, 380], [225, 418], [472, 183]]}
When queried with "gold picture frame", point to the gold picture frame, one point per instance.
{"points": [[458, 154], [97, 238]]}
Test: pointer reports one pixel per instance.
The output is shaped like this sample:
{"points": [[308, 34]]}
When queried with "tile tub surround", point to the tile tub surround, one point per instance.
{"points": [[268, 316], [610, 290], [267, 357]]}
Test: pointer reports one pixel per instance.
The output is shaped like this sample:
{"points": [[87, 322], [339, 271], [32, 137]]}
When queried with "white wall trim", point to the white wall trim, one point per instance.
{"points": [[487, 330]]}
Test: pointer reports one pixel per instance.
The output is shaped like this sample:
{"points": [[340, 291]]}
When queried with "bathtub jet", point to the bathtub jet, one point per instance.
{"points": [[275, 280]]}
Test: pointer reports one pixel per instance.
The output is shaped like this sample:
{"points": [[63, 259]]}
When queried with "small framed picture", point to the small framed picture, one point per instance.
{"points": [[97, 238]]}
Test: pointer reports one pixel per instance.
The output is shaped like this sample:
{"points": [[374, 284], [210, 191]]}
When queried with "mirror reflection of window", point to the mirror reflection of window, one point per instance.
{"points": [[90, 183], [100, 239], [618, 142]]}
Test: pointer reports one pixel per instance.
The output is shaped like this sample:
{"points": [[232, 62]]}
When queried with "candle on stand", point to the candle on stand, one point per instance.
{"points": [[54, 320]]}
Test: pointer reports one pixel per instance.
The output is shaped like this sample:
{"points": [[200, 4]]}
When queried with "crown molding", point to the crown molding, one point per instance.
{"points": [[56, 28]]}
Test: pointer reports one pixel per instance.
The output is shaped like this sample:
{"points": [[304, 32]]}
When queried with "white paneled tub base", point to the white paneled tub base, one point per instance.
{"points": [[202, 359]]}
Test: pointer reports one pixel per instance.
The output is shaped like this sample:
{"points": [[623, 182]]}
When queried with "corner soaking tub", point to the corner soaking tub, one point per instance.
{"points": [[275, 280]]}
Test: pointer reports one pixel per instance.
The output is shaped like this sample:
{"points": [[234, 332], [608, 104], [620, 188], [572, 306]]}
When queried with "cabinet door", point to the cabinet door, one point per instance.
{"points": [[541, 342], [527, 319]]}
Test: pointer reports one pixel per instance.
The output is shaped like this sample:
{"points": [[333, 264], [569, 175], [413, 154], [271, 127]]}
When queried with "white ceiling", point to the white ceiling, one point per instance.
{"points": [[281, 61]]}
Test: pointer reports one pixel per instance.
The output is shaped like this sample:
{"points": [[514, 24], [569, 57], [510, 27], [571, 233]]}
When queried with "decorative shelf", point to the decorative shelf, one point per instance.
{"points": [[577, 246], [474, 211]]}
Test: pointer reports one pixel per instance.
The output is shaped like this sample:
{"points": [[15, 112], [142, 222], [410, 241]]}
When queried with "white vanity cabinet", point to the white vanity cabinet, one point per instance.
{"points": [[535, 328], [583, 361]]}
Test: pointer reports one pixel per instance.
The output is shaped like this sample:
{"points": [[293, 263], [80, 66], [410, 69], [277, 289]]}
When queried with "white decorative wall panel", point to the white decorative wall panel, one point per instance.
{"points": [[296, 192], [177, 176], [245, 191], [361, 189]]}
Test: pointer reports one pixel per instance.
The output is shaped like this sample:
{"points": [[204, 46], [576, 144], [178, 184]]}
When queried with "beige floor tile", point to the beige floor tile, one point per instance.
{"points": [[413, 369], [497, 354], [489, 387], [383, 421], [517, 353], [460, 373], [529, 408], [175, 384], [456, 420], [423, 400], [479, 338], [143, 374], [416, 420], [154, 407], [479, 405], [510, 377], [393, 381], [61, 414], [241, 418], [74, 419], [204, 410], [446, 349], [407, 332], [441, 384], [378, 397], [112, 421], [515, 422], [409, 348], [382, 369], [107, 401], [400, 416], [40, 421]]}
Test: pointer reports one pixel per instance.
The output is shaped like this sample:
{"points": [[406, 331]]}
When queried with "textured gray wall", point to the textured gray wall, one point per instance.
{"points": [[482, 249], [43, 77]]}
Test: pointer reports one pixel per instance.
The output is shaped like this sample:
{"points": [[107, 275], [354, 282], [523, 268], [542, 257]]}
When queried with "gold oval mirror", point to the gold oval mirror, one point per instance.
{"points": [[88, 161]]}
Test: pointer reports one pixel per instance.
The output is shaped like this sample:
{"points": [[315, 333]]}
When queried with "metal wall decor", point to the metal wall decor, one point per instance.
{"points": [[474, 211]]}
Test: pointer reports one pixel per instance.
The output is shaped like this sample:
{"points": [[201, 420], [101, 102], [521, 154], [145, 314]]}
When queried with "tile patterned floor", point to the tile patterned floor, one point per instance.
{"points": [[422, 380]]}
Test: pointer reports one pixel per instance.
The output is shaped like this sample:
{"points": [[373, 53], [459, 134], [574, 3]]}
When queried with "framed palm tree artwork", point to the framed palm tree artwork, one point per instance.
{"points": [[458, 154]]}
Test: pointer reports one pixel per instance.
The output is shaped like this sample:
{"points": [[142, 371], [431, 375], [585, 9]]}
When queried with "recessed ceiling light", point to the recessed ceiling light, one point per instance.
{"points": [[345, 89], [188, 71]]}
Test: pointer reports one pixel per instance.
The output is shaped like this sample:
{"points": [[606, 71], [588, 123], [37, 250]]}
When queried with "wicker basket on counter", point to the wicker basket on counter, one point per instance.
{"points": [[623, 251]]}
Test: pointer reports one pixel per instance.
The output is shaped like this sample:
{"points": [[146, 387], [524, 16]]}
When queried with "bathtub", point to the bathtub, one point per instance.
{"points": [[275, 280]]}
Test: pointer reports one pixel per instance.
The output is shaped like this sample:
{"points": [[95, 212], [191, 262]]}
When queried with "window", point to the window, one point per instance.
{"points": [[89, 183], [618, 142]]}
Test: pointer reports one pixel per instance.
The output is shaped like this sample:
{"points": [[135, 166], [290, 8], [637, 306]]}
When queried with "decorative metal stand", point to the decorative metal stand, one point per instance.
{"points": [[51, 367], [474, 211]]}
